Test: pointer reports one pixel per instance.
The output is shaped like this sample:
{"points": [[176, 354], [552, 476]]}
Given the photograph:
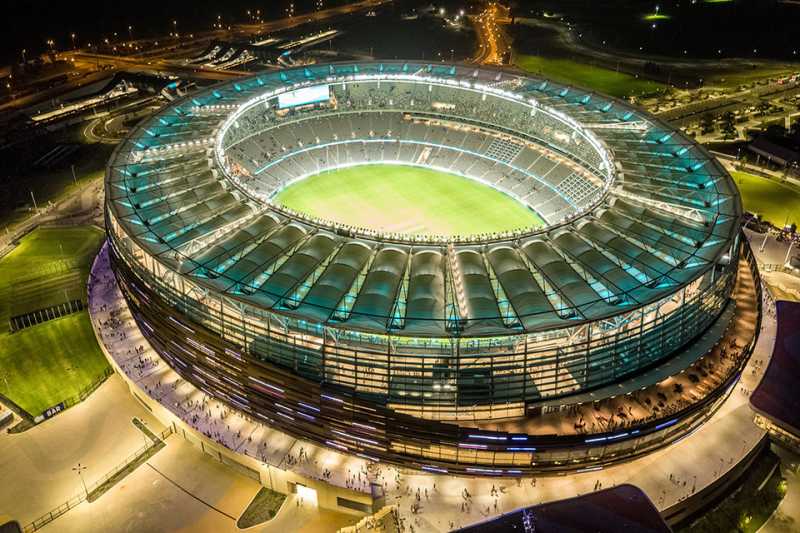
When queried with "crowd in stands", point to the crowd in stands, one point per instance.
{"points": [[452, 130]]}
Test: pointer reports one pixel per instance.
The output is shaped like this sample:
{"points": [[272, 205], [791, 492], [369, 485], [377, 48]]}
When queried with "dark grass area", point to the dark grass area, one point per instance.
{"points": [[701, 28], [389, 35], [538, 37], [750, 505], [19, 174], [264, 506]]}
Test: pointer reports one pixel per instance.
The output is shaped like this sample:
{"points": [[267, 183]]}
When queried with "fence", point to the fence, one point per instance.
{"points": [[75, 399], [384, 520], [73, 502], [89, 389], [39, 316]]}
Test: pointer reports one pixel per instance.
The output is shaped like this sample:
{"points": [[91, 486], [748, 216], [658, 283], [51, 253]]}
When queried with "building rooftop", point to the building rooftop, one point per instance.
{"points": [[622, 508], [776, 395], [665, 218]]}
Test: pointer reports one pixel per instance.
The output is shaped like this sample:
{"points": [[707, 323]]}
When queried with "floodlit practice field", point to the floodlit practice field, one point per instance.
{"points": [[49, 267], [772, 200], [598, 79], [407, 199], [51, 362], [43, 365]]}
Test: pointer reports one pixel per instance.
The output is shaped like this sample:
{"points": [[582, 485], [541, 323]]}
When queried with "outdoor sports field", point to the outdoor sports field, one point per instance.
{"points": [[775, 202], [45, 364], [407, 199], [49, 267], [593, 77], [49, 363]]}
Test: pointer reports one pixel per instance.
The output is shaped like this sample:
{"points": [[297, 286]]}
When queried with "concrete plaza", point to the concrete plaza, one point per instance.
{"points": [[37, 464], [668, 476]]}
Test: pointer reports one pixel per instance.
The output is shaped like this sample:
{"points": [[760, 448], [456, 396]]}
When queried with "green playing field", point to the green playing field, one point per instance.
{"points": [[51, 362], [49, 267], [776, 202], [43, 365], [407, 199]]}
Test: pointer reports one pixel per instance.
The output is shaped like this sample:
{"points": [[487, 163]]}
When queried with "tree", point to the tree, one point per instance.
{"points": [[728, 128], [707, 123]]}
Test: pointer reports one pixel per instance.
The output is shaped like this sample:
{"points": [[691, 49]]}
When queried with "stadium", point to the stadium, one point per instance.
{"points": [[431, 265]]}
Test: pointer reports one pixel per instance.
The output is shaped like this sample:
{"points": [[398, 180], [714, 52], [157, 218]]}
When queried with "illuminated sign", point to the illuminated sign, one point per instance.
{"points": [[306, 95]]}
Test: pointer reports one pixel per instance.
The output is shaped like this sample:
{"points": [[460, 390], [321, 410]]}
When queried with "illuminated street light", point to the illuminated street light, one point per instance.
{"points": [[79, 469]]}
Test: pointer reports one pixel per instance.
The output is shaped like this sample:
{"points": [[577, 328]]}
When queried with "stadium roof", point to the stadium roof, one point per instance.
{"points": [[776, 395], [622, 508], [672, 213]]}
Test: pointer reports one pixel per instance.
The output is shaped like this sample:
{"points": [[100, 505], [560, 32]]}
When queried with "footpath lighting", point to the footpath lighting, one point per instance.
{"points": [[79, 469]]}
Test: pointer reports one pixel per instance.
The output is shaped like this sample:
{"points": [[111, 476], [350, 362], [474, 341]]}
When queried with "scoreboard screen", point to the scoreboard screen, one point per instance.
{"points": [[306, 95]]}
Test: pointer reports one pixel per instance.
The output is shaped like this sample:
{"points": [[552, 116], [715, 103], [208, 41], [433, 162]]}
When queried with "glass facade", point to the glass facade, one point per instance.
{"points": [[448, 378]]}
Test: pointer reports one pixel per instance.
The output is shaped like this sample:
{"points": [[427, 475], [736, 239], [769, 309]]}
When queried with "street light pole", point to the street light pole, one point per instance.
{"points": [[789, 251], [79, 469]]}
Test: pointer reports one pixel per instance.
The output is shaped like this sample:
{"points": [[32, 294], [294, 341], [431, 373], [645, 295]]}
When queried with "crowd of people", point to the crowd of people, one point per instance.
{"points": [[418, 493]]}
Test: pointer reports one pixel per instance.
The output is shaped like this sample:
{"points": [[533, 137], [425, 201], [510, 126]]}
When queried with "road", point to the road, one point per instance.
{"points": [[162, 63], [137, 64], [492, 41], [157, 60]]}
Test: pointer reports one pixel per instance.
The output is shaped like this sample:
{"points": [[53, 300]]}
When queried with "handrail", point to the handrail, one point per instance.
{"points": [[73, 502]]}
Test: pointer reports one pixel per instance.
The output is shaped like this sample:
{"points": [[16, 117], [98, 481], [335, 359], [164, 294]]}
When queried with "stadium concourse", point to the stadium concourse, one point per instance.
{"points": [[431, 501]]}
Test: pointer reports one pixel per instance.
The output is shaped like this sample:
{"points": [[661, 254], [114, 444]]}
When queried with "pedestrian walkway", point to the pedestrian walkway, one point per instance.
{"points": [[429, 502], [132, 353]]}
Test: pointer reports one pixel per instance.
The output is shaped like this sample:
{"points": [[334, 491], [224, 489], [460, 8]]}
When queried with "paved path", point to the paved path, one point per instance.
{"points": [[36, 465], [182, 489], [178, 489], [786, 518]]}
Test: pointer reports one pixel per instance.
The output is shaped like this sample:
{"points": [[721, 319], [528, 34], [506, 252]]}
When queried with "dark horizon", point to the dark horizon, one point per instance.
{"points": [[30, 30]]}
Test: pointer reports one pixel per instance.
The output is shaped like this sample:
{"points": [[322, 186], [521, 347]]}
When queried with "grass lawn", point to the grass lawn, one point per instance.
{"points": [[654, 17], [599, 79], [407, 199], [51, 185], [50, 266], [772, 200], [264, 506], [46, 364]]}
